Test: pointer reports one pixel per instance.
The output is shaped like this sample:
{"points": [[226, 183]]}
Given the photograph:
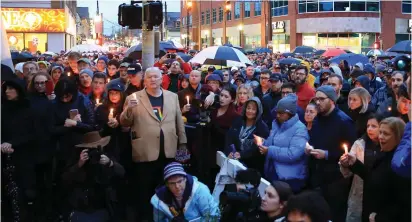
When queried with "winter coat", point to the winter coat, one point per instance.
{"points": [[342, 104], [91, 185], [259, 94], [305, 93], [385, 193], [193, 115], [42, 109], [269, 102], [200, 204], [286, 158], [249, 152], [325, 135], [18, 127], [220, 125], [146, 126], [67, 137], [364, 81], [360, 119], [381, 96], [401, 162], [355, 200]]}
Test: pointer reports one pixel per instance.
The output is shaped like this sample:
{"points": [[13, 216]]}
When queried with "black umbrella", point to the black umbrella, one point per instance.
{"points": [[135, 52], [21, 56], [304, 49], [319, 52], [288, 54], [290, 61]]}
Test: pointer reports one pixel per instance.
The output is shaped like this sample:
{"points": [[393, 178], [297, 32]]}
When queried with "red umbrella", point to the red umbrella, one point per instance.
{"points": [[333, 52]]}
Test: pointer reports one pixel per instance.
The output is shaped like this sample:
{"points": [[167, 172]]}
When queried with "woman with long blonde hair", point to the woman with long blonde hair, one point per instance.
{"points": [[243, 94]]}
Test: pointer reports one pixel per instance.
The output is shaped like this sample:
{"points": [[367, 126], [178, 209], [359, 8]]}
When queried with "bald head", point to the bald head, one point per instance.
{"points": [[195, 77]]}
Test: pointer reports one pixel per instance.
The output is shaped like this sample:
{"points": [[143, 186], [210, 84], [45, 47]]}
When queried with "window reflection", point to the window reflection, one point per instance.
{"points": [[306, 6]]}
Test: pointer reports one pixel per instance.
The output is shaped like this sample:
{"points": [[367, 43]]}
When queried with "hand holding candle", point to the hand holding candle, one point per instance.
{"points": [[111, 113], [345, 148], [258, 140]]}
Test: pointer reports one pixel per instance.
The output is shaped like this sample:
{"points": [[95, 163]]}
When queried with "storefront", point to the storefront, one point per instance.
{"points": [[252, 36], [37, 29], [281, 36], [355, 34]]}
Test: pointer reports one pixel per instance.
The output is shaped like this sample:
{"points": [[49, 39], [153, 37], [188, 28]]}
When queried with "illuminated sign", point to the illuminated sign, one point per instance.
{"points": [[278, 27], [33, 20]]}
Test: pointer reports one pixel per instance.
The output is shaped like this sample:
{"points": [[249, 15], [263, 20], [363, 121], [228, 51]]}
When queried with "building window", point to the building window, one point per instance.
{"points": [[258, 8], [208, 16], [203, 18], [406, 6], [177, 24], [237, 10], [190, 20], [214, 15], [229, 15], [247, 10], [220, 14], [306, 6], [279, 7]]}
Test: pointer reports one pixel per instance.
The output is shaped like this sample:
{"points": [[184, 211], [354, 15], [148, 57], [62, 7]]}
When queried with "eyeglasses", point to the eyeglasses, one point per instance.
{"points": [[320, 99], [286, 93], [300, 74], [264, 78], [39, 83], [179, 182]]}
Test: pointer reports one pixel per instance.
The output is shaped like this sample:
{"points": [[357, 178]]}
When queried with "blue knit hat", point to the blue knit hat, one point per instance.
{"points": [[288, 104], [104, 58], [214, 77], [329, 91], [113, 85], [87, 71], [172, 169]]}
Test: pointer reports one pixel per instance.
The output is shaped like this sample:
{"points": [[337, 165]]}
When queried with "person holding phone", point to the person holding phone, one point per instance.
{"points": [[72, 116], [171, 81]]}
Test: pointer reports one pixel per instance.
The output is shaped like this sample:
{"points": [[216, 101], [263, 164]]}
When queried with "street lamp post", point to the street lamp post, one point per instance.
{"points": [[227, 10], [240, 27], [189, 5]]}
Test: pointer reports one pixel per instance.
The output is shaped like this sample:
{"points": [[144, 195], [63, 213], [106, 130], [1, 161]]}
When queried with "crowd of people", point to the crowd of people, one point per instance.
{"points": [[97, 138]]}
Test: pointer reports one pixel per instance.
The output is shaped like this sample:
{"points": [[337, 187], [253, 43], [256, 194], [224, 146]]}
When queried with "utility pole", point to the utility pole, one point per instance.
{"points": [[147, 43], [162, 28], [189, 5], [270, 22], [166, 22]]}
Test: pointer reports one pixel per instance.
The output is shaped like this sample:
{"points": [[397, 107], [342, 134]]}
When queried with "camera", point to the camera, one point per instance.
{"points": [[244, 203], [94, 155], [171, 56]]}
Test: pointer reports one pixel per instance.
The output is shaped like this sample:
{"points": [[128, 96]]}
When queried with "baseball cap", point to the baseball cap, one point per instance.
{"points": [[124, 64], [85, 60], [133, 69], [275, 77]]}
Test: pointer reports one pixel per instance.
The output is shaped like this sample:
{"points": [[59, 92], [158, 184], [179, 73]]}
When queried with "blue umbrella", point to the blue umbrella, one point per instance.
{"points": [[263, 50], [319, 52], [290, 61], [184, 56], [351, 58], [402, 47], [304, 49], [287, 54]]}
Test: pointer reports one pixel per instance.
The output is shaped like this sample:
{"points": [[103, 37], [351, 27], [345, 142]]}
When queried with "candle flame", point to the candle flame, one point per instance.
{"points": [[389, 108], [345, 147], [97, 101], [68, 74], [259, 140], [187, 98]]}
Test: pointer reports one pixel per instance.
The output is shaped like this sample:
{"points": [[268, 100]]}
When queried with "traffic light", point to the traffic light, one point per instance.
{"points": [[377, 45], [153, 14], [131, 15]]}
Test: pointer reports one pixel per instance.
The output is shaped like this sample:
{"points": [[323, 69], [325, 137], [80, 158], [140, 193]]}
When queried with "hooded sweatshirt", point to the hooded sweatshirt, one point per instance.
{"points": [[364, 81]]}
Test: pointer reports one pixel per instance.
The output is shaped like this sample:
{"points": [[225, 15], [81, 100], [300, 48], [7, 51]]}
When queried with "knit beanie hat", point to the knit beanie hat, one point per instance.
{"points": [[329, 91], [172, 169], [288, 104], [360, 65], [57, 67], [87, 71], [104, 58]]}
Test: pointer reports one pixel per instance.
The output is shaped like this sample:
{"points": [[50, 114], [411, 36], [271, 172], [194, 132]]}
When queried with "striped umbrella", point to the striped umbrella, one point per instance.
{"points": [[221, 55]]}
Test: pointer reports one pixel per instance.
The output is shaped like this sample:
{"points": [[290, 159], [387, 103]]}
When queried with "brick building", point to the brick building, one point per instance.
{"points": [[352, 24]]}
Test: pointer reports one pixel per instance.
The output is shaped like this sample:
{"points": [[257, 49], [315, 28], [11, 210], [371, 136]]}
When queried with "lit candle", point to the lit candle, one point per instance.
{"points": [[187, 98], [389, 108], [68, 74], [345, 147], [108, 80], [134, 96], [259, 140], [111, 114], [97, 101]]}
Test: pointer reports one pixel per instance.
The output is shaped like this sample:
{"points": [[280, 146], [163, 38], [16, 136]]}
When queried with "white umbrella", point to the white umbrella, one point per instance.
{"points": [[221, 55], [87, 48], [50, 53]]}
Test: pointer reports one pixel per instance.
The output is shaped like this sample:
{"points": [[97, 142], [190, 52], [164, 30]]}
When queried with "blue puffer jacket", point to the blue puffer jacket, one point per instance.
{"points": [[199, 205], [286, 158], [401, 162]]}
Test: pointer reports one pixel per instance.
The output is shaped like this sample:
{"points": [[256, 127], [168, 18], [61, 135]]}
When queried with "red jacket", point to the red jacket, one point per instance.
{"points": [[166, 79], [305, 93]]}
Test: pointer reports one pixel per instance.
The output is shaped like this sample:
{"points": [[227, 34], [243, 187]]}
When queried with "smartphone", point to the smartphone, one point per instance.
{"points": [[49, 88], [73, 113], [232, 148], [173, 56]]}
